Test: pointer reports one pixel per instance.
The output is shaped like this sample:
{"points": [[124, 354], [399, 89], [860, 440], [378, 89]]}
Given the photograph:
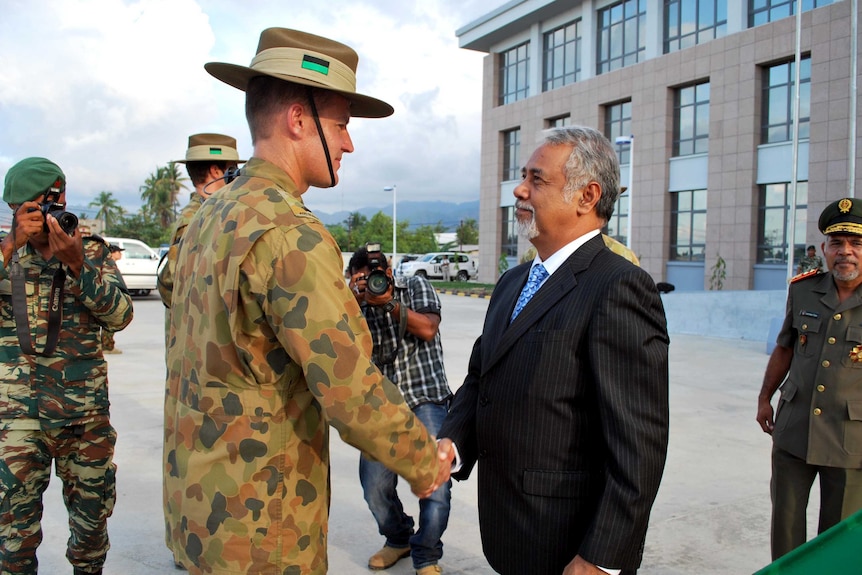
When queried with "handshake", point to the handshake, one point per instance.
{"points": [[445, 461]]}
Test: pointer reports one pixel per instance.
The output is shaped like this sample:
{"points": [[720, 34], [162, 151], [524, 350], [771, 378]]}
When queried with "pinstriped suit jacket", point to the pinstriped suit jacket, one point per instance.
{"points": [[566, 413]]}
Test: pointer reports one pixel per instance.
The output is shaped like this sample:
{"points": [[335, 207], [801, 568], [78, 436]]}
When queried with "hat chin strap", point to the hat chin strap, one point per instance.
{"points": [[320, 133]]}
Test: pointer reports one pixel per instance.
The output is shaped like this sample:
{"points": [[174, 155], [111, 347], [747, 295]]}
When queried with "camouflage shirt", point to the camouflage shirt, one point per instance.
{"points": [[71, 386], [166, 274], [267, 348]]}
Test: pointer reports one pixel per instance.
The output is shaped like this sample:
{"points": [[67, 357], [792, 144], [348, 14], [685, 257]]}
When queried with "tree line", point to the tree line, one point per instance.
{"points": [[160, 192]]}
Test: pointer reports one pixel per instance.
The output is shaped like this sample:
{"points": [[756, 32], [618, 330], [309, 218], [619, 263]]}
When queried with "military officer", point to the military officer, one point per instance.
{"points": [[268, 346], [53, 376], [211, 162], [817, 427]]}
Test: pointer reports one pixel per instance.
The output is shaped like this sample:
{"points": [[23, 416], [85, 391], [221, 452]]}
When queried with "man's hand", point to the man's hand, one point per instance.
{"points": [[444, 468], [358, 282], [765, 415], [68, 249], [580, 566], [446, 452]]}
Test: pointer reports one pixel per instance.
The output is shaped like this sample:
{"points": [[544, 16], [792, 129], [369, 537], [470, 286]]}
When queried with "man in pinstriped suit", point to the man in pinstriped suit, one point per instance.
{"points": [[565, 407]]}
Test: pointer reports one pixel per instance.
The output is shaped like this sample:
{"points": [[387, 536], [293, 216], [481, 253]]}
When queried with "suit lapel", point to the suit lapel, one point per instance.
{"points": [[497, 322], [555, 288]]}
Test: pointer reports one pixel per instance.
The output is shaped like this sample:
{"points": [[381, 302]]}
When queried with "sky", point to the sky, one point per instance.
{"points": [[111, 89]]}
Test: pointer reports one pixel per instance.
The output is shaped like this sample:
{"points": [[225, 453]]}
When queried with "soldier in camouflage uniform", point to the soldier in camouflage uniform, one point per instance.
{"points": [[211, 160], [53, 377], [268, 347]]}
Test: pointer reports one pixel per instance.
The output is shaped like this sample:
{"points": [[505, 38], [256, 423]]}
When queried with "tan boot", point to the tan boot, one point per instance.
{"points": [[430, 570], [387, 557]]}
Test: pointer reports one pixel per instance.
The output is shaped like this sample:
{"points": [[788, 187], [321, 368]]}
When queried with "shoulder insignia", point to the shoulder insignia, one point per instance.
{"points": [[807, 274]]}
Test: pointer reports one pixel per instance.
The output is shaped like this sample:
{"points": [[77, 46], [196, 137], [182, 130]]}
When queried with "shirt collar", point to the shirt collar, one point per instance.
{"points": [[554, 262]]}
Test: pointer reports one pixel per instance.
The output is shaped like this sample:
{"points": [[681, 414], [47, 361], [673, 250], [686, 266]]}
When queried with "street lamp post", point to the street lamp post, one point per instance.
{"points": [[394, 191], [621, 141]]}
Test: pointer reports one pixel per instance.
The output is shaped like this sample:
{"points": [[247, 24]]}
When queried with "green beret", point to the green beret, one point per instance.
{"points": [[842, 217], [30, 178]]}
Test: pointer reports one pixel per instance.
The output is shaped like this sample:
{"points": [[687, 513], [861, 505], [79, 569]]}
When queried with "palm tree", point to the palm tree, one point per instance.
{"points": [[109, 209], [160, 191]]}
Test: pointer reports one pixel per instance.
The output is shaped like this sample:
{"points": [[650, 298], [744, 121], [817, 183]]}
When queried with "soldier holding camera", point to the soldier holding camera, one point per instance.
{"points": [[403, 315], [58, 290]]}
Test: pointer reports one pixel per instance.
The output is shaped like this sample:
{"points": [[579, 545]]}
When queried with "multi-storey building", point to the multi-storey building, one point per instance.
{"points": [[704, 91]]}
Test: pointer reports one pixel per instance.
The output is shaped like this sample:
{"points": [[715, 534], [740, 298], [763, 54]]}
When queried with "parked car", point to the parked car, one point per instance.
{"points": [[462, 267], [138, 265]]}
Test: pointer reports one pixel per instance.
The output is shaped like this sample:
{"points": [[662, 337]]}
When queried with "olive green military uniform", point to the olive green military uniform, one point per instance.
{"points": [[819, 417], [267, 348], [56, 408], [808, 263]]}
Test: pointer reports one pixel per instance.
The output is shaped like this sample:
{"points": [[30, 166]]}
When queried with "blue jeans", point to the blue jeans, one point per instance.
{"points": [[378, 485]]}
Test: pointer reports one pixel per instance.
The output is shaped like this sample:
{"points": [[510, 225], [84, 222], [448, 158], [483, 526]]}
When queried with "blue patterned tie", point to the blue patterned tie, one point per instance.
{"points": [[537, 275]]}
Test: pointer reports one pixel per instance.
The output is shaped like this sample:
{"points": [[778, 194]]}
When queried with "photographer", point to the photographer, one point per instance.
{"points": [[58, 290], [404, 318]]}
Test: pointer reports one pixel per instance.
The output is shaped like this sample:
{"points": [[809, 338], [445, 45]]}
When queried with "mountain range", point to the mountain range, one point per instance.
{"points": [[449, 214]]}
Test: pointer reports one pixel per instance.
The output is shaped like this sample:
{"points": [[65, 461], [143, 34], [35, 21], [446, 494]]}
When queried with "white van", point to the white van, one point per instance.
{"points": [[138, 265]]}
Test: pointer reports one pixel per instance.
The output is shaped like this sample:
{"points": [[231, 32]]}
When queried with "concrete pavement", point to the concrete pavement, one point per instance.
{"points": [[711, 516]]}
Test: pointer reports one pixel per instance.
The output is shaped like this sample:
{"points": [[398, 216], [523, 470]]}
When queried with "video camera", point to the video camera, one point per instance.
{"points": [[377, 282], [67, 220]]}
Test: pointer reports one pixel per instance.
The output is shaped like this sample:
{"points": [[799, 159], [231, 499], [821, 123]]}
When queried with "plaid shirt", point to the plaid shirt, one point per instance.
{"points": [[418, 366]]}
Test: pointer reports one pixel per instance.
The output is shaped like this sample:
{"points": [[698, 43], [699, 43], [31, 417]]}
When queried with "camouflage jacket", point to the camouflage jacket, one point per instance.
{"points": [[267, 347], [71, 386], [166, 273]]}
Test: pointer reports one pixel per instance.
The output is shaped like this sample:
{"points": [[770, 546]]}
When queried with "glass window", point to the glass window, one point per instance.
{"points": [[136, 252], [691, 115], [688, 226], [514, 69], [773, 222], [511, 155], [560, 122], [621, 39], [509, 244], [617, 226], [618, 122], [562, 56], [778, 93], [691, 22], [763, 11]]}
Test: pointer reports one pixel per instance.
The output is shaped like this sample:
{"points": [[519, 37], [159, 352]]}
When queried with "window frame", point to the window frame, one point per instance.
{"points": [[768, 129], [692, 214], [695, 141], [514, 81], [620, 21], [511, 154], [706, 28], [799, 244], [571, 63]]}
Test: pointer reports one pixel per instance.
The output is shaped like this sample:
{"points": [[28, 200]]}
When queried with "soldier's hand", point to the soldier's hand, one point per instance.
{"points": [[445, 456], [68, 249], [765, 415], [28, 222]]}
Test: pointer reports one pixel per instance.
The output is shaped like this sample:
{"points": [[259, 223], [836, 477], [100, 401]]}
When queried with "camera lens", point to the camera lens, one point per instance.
{"points": [[67, 220], [377, 283]]}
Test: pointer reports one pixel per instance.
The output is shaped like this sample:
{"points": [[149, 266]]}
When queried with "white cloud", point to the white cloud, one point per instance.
{"points": [[110, 89]]}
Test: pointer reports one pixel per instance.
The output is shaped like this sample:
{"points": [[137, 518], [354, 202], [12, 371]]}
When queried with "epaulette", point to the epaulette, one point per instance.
{"points": [[808, 274]]}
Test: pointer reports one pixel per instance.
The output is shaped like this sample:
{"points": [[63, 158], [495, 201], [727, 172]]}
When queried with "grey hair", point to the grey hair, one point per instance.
{"points": [[592, 159]]}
